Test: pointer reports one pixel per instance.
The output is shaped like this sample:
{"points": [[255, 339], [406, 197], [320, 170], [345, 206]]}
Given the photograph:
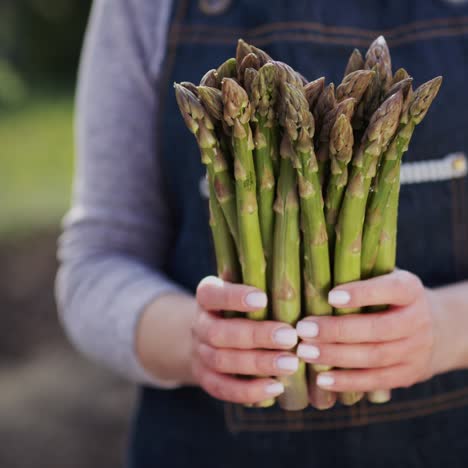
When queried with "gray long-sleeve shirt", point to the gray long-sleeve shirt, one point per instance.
{"points": [[117, 231]]}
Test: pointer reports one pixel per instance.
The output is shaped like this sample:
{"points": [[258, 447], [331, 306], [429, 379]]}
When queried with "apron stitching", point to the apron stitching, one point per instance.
{"points": [[338, 30], [310, 425], [441, 399], [391, 417], [200, 38]]}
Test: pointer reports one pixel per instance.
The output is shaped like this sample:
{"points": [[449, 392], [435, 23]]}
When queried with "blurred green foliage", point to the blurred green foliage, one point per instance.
{"points": [[41, 39], [40, 43], [36, 163]]}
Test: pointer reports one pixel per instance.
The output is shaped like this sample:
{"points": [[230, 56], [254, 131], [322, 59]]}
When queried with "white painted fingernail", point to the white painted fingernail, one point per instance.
{"points": [[324, 380], [339, 297], [274, 388], [307, 329], [306, 351], [285, 337], [287, 363], [257, 300]]}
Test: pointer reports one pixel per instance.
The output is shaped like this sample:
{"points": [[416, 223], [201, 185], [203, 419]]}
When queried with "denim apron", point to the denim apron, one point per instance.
{"points": [[423, 426]]}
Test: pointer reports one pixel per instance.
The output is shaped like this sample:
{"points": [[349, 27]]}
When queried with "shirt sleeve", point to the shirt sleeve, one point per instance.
{"points": [[118, 230]]}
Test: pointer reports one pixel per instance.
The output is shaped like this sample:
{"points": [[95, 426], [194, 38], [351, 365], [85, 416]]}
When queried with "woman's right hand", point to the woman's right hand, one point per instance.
{"points": [[224, 349]]}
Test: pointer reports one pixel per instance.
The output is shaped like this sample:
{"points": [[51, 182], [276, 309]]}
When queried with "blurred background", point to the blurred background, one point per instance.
{"points": [[56, 409]]}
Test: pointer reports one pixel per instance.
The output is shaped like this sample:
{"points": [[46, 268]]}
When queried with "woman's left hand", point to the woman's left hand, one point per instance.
{"points": [[381, 350]]}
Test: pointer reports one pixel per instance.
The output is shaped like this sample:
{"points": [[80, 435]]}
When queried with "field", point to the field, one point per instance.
{"points": [[56, 409]]}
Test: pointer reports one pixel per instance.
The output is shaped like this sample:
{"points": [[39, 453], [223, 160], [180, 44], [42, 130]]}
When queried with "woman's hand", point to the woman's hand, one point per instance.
{"points": [[384, 350], [224, 349]]}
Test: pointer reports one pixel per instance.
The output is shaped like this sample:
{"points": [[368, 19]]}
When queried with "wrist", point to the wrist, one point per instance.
{"points": [[163, 338]]}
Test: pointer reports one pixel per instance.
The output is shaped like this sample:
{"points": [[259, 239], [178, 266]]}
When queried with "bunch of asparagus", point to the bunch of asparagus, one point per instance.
{"points": [[303, 180]]}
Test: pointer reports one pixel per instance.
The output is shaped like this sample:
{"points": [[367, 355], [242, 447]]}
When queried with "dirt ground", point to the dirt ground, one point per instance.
{"points": [[56, 409]]}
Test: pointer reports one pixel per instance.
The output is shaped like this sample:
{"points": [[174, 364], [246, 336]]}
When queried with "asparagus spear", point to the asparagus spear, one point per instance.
{"points": [[201, 125], [381, 129], [210, 79], [226, 256], [378, 56], [211, 109], [286, 282], [227, 69], [298, 125], [386, 261], [347, 261], [249, 61], [377, 59], [325, 104], [341, 151], [386, 258], [388, 172], [244, 49], [345, 107], [263, 97], [313, 90], [355, 62], [354, 85], [237, 114]]}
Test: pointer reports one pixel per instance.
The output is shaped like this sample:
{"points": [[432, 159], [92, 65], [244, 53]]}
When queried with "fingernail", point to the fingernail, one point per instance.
{"points": [[274, 388], [324, 380], [339, 297], [307, 329], [257, 300], [287, 363], [306, 351], [285, 336]]}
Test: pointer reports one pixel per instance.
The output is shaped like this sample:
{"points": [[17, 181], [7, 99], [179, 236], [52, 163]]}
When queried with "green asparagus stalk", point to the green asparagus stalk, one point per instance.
{"points": [[347, 261], [298, 127], [237, 114], [377, 59], [210, 79], [345, 107], [378, 56], [386, 258], [355, 62], [244, 49], [286, 281], [386, 261], [381, 129], [227, 69], [341, 152], [313, 90], [354, 85], [220, 187], [249, 61], [263, 97], [226, 256], [212, 108], [388, 172], [325, 104]]}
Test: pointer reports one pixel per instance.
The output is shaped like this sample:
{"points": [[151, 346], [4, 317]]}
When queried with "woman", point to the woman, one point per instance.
{"points": [[136, 247]]}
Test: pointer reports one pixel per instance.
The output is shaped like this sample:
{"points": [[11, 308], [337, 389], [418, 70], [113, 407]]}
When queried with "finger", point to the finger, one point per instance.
{"points": [[397, 288], [215, 294], [235, 390], [319, 398], [359, 356], [247, 362], [243, 333], [366, 380], [363, 328]]}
